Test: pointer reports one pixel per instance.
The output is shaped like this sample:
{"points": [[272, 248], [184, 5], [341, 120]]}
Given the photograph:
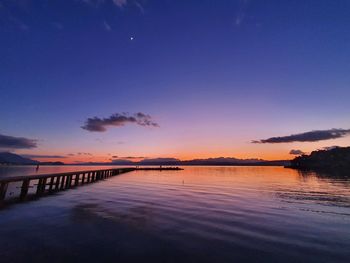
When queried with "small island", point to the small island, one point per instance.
{"points": [[337, 158]]}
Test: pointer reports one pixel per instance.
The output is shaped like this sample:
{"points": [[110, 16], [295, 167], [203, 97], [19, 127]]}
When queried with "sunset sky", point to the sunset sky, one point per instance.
{"points": [[86, 80]]}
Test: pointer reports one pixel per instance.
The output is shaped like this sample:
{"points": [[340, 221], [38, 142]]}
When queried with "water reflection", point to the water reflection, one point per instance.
{"points": [[200, 214]]}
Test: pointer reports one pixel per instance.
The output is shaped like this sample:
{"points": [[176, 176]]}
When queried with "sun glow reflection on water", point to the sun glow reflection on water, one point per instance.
{"points": [[200, 214]]}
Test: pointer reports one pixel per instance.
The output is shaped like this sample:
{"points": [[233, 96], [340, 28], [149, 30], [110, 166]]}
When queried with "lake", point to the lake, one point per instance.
{"points": [[199, 214]]}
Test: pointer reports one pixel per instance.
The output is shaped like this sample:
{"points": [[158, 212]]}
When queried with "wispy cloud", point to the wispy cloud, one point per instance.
{"points": [[94, 3], [57, 25], [130, 157], [311, 136], [107, 26], [11, 142], [86, 154], [120, 3], [96, 124], [296, 152], [140, 7], [241, 14]]}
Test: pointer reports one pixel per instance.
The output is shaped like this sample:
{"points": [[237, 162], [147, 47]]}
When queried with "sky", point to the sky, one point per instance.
{"points": [[93, 80]]}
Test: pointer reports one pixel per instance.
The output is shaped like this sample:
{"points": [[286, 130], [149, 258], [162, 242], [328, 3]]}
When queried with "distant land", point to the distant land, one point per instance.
{"points": [[15, 159], [222, 161], [336, 158], [11, 158]]}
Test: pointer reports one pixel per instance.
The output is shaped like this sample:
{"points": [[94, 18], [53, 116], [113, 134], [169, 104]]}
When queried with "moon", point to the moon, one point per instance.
{"points": [[131, 38]]}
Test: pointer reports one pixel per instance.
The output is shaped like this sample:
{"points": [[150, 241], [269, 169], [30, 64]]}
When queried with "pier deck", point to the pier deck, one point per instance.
{"points": [[35, 186]]}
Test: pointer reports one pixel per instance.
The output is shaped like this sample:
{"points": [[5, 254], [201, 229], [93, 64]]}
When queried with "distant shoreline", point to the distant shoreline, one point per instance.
{"points": [[111, 164]]}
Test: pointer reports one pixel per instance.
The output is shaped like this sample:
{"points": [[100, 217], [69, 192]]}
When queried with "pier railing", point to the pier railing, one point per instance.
{"points": [[22, 188]]}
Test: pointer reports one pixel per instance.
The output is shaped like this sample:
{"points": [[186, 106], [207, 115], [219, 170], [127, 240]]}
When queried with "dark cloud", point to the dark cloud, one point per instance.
{"points": [[160, 160], [296, 152], [11, 142], [132, 157], [96, 124], [86, 154], [42, 156], [312, 136], [128, 157]]}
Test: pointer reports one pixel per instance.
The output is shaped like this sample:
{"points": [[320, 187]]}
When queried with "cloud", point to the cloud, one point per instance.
{"points": [[57, 25], [311, 136], [140, 7], [107, 26], [296, 152], [133, 157], [162, 159], [96, 124], [241, 14], [86, 154], [42, 156], [11, 142], [120, 3], [94, 3]]}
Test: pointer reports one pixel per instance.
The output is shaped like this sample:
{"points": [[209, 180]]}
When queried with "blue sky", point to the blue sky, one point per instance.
{"points": [[213, 74]]}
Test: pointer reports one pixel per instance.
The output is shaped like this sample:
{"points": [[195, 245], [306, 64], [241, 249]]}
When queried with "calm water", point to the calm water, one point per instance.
{"points": [[201, 214]]}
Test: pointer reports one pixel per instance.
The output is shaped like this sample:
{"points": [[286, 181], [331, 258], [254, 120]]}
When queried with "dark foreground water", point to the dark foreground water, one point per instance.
{"points": [[201, 214]]}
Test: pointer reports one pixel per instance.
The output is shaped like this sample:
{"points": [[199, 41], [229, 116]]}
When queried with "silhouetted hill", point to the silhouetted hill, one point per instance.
{"points": [[160, 161], [337, 158], [11, 158], [51, 163], [210, 161], [229, 161]]}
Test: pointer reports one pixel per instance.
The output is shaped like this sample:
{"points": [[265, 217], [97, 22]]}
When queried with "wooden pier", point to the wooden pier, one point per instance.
{"points": [[35, 186]]}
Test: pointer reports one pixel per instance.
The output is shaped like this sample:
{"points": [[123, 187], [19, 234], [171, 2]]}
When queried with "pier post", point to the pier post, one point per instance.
{"points": [[77, 179], [83, 179], [51, 184], [57, 183], [3, 189], [43, 187], [92, 177], [62, 182], [24, 189], [70, 181], [38, 187], [67, 182]]}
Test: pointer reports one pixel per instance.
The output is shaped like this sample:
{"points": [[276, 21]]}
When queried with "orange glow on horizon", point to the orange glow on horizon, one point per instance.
{"points": [[106, 153]]}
